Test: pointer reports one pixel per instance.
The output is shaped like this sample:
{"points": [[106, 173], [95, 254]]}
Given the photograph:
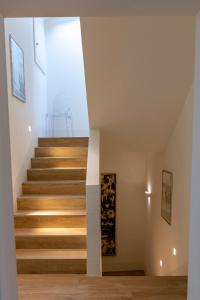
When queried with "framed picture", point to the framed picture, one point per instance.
{"points": [[167, 188], [17, 70], [108, 214]]}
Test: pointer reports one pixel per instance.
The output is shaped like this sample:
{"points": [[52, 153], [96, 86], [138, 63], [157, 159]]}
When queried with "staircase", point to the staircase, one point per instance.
{"points": [[51, 218]]}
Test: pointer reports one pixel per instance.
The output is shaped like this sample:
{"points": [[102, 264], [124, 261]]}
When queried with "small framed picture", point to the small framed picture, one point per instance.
{"points": [[167, 188], [17, 70]]}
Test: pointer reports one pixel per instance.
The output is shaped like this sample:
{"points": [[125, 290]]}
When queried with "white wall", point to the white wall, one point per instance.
{"points": [[65, 74], [130, 206], [194, 249], [138, 73], [40, 43], [33, 111], [8, 282], [161, 237], [135, 245]]}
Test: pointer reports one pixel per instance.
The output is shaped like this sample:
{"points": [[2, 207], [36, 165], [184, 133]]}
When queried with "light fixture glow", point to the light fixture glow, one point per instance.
{"points": [[148, 192], [149, 201], [161, 263], [174, 252], [29, 128]]}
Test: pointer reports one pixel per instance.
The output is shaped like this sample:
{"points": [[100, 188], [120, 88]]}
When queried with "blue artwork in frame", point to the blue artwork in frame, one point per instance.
{"points": [[17, 70]]}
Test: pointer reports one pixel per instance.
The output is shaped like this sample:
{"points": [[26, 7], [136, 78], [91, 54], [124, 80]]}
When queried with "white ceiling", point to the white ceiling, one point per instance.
{"points": [[139, 71], [22, 8]]}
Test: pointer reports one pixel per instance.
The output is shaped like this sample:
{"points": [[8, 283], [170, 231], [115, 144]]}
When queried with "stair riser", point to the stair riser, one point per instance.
{"points": [[33, 221], [58, 266], [61, 152], [63, 142], [53, 189], [58, 163], [42, 204], [56, 174], [49, 242]]}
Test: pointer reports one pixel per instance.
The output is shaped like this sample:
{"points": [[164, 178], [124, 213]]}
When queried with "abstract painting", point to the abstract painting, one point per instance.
{"points": [[108, 214], [166, 205], [17, 70]]}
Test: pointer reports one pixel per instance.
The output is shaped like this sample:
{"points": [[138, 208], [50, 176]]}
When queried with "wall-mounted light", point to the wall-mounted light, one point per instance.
{"points": [[161, 263], [29, 128], [174, 252], [148, 193], [149, 201]]}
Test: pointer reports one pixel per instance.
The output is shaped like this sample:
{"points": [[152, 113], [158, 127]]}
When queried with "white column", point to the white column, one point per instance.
{"points": [[8, 284], [93, 202], [194, 248]]}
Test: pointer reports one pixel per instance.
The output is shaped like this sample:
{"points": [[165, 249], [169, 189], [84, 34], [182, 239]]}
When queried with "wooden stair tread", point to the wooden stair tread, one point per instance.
{"points": [[63, 142], [51, 202], [52, 187], [65, 138], [61, 197], [58, 162], [50, 213], [56, 174], [55, 182], [62, 147], [68, 151], [49, 162], [37, 232], [50, 254], [57, 157], [58, 168]]}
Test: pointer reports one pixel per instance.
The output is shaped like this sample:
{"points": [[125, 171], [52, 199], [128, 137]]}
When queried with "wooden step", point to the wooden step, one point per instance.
{"points": [[63, 142], [70, 187], [51, 261], [61, 152], [55, 202], [58, 162], [50, 219], [57, 174], [51, 238]]}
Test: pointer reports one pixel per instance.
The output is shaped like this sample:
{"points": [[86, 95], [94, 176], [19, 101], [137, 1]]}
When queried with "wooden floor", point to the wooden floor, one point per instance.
{"points": [[66, 287]]}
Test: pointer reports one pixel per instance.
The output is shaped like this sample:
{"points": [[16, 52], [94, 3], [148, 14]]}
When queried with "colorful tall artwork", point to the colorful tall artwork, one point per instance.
{"points": [[166, 205], [108, 214]]}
